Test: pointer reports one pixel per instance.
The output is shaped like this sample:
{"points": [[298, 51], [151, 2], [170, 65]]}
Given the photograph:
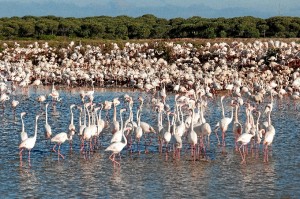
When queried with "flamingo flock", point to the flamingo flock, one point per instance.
{"points": [[246, 75], [186, 127]]}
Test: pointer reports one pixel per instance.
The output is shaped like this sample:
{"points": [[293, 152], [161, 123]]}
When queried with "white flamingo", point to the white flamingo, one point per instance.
{"points": [[138, 129], [58, 139], [29, 143], [48, 131], [224, 123], [72, 128], [269, 137], [192, 136], [117, 136], [116, 148]]}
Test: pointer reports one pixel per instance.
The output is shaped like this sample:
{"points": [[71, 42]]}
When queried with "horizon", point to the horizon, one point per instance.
{"points": [[163, 9]]}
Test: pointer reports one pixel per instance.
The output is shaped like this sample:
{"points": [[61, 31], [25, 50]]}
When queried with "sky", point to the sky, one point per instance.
{"points": [[160, 8]]}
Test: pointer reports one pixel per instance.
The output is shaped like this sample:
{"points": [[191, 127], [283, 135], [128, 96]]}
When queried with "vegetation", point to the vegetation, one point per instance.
{"points": [[147, 27]]}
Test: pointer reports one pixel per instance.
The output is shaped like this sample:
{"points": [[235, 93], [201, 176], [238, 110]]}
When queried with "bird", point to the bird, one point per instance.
{"points": [[167, 134], [24, 135], [41, 99], [58, 139], [269, 137], [244, 139], [48, 131], [72, 128], [116, 125], [224, 123], [237, 126], [117, 136], [138, 129], [192, 136], [14, 104], [29, 143], [116, 148]]}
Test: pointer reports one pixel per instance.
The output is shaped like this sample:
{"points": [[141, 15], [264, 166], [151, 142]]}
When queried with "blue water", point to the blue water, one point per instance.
{"points": [[142, 175]]}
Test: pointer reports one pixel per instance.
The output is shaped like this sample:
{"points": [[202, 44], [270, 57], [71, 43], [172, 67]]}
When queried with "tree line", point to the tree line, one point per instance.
{"points": [[147, 27]]}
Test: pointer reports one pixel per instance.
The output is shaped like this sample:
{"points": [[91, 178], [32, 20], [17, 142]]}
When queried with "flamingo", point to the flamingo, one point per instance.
{"points": [[24, 135], [87, 132], [48, 131], [269, 137], [117, 147], [192, 136], [116, 125], [41, 99], [237, 126], [138, 129], [54, 94], [29, 142], [14, 104], [224, 123], [203, 128], [58, 139], [244, 139], [167, 134], [72, 129], [117, 137]]}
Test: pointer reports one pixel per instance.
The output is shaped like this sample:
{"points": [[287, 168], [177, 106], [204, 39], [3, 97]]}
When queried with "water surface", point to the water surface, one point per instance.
{"points": [[145, 175]]}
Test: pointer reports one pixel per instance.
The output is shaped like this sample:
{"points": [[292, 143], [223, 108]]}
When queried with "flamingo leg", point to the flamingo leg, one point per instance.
{"points": [[20, 153], [58, 152], [241, 153], [29, 157], [53, 149]]}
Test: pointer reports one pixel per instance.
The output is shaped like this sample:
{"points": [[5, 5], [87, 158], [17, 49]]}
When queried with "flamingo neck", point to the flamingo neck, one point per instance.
{"points": [[46, 114], [35, 129], [23, 128], [115, 113], [192, 122], [201, 114], [169, 125], [72, 117], [231, 118], [121, 121], [269, 118], [138, 117], [223, 112], [236, 114], [80, 115]]}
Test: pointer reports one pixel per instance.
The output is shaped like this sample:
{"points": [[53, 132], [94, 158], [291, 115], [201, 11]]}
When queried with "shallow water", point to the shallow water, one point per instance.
{"points": [[145, 175]]}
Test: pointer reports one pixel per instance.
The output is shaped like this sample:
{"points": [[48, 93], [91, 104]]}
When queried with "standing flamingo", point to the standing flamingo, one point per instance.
{"points": [[237, 126], [269, 137], [48, 131], [72, 129], [59, 139], [192, 136], [116, 148], [138, 129], [29, 142], [224, 123]]}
